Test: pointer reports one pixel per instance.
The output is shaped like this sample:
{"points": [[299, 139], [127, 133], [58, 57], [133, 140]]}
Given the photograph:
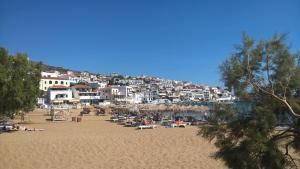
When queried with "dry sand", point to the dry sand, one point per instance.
{"points": [[98, 143]]}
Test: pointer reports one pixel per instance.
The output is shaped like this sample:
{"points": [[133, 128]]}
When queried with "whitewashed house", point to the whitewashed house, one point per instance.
{"points": [[86, 94], [50, 74], [117, 93], [137, 98], [59, 93], [47, 82]]}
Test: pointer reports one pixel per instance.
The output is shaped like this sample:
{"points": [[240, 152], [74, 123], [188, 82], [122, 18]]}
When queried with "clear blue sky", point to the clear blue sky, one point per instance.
{"points": [[176, 39]]}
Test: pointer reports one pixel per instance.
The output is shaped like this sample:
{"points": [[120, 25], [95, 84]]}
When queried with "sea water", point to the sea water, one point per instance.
{"points": [[242, 107]]}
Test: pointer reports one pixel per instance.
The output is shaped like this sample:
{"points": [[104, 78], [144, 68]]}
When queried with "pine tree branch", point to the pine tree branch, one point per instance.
{"points": [[270, 93], [268, 73], [282, 100], [283, 137], [288, 155], [281, 134]]}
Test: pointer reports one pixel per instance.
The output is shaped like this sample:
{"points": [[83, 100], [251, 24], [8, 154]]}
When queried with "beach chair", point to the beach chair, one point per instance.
{"points": [[149, 126]]}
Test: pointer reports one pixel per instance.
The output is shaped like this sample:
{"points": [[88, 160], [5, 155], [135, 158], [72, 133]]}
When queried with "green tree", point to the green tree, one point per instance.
{"points": [[266, 74], [19, 83], [113, 81]]}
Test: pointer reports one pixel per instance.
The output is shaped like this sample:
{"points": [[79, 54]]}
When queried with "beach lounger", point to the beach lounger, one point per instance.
{"points": [[122, 118], [182, 125], [188, 123], [151, 126], [114, 119], [173, 125], [34, 129], [6, 127]]}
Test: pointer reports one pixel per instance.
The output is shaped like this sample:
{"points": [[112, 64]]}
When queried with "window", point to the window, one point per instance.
{"points": [[66, 83], [50, 82], [56, 82], [45, 88], [45, 82], [62, 82]]}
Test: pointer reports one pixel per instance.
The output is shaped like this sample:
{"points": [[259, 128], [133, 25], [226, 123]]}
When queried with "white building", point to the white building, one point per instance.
{"points": [[199, 96], [226, 99], [150, 95], [215, 90], [102, 84], [73, 79], [47, 82], [50, 74], [225, 96], [207, 95], [85, 94], [60, 94], [116, 93]]}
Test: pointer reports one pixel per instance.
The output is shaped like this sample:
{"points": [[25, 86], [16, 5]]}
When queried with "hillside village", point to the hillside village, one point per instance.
{"points": [[86, 88]]}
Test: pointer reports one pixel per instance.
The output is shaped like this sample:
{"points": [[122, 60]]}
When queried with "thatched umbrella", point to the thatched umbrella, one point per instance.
{"points": [[171, 108], [194, 108], [106, 109], [190, 108], [162, 108], [181, 108], [151, 108], [134, 109], [115, 108], [145, 108], [201, 109]]}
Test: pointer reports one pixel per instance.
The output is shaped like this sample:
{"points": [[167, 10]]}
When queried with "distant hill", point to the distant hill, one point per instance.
{"points": [[46, 67]]}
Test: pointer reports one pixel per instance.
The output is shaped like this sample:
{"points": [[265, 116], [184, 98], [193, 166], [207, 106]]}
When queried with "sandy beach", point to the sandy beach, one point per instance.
{"points": [[97, 143]]}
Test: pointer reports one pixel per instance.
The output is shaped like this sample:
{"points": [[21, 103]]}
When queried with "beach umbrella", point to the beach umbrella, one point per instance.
{"points": [[106, 109], [181, 108], [177, 109], [195, 108], [134, 109], [162, 108], [191, 108], [153, 108], [202, 109], [144, 108], [169, 108], [172, 107]]}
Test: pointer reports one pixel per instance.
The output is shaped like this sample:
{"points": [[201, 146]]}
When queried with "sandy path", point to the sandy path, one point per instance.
{"points": [[97, 143]]}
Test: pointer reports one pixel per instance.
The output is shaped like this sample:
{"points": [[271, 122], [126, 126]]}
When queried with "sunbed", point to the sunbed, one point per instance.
{"points": [[149, 126]]}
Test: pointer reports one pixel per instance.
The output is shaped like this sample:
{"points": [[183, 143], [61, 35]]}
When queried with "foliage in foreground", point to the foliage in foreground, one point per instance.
{"points": [[19, 83], [267, 75]]}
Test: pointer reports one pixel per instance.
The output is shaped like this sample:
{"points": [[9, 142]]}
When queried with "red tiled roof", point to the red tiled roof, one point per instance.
{"points": [[59, 87], [191, 87], [54, 78], [81, 86]]}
